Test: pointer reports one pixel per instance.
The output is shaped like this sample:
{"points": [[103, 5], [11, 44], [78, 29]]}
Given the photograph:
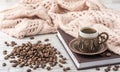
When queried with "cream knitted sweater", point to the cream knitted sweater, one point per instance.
{"points": [[31, 17]]}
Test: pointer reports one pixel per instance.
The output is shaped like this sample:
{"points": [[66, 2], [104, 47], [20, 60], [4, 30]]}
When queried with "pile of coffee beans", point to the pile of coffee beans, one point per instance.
{"points": [[37, 55]]}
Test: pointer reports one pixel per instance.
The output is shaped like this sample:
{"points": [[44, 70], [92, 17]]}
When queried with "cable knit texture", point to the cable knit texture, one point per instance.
{"points": [[32, 17]]}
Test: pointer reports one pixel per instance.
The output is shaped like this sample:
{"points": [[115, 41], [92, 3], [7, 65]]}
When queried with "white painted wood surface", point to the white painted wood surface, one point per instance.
{"points": [[53, 39]]}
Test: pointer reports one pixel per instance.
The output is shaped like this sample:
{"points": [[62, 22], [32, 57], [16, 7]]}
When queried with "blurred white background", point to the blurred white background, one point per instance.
{"points": [[7, 3], [115, 4]]}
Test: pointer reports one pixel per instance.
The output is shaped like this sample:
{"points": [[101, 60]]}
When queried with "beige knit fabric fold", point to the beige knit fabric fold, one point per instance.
{"points": [[31, 17]]}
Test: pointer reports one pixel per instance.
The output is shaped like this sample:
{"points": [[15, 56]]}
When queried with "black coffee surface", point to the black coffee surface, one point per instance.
{"points": [[88, 30]]}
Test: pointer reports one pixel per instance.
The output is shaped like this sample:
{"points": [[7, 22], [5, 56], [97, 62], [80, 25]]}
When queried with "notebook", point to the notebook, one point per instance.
{"points": [[83, 61]]}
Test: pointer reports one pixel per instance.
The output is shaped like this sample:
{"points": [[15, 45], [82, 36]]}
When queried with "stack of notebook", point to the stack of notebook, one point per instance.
{"points": [[82, 61]]}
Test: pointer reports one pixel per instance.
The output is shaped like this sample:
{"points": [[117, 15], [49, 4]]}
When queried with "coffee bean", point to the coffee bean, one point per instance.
{"points": [[115, 69], [34, 68], [48, 68], [4, 52], [97, 68], [46, 40], [13, 61], [64, 69], [64, 58], [22, 65], [4, 64], [61, 56], [13, 43], [6, 42], [12, 57], [62, 61], [29, 70], [37, 66], [39, 41], [116, 66], [43, 66], [106, 70], [51, 64], [14, 65], [108, 54], [67, 68], [60, 65], [58, 52], [31, 66], [31, 37], [109, 66], [6, 57]]}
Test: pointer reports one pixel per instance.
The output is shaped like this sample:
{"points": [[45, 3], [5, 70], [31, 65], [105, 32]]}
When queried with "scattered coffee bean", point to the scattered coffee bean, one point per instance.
{"points": [[22, 65], [109, 66], [12, 57], [31, 37], [108, 54], [4, 52], [7, 44], [31, 66], [62, 61], [67, 68], [60, 65], [116, 66], [34, 68], [14, 65], [61, 56], [48, 68], [6, 57], [39, 41], [43, 66], [115, 69], [46, 40], [13, 61], [97, 68], [29, 70], [4, 64], [37, 66], [58, 52], [64, 58], [64, 69], [13, 43], [106, 70]]}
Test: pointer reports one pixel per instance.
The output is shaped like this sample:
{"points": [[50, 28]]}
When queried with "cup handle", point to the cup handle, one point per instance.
{"points": [[103, 37]]}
